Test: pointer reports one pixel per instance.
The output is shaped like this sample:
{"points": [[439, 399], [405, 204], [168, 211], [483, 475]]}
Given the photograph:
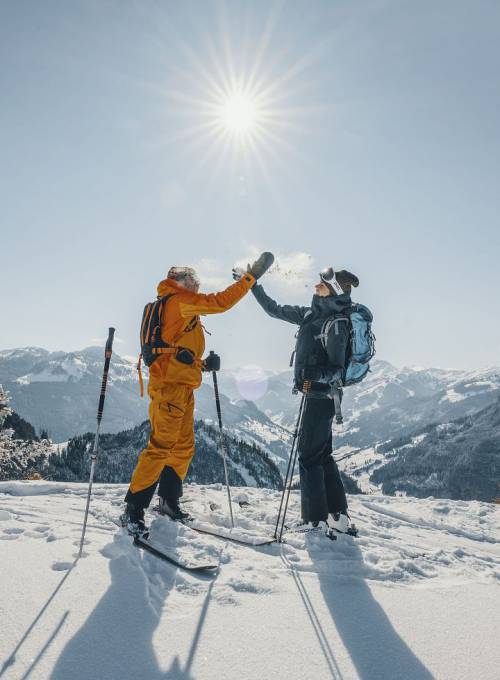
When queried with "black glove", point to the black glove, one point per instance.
{"points": [[212, 362], [311, 373], [261, 265]]}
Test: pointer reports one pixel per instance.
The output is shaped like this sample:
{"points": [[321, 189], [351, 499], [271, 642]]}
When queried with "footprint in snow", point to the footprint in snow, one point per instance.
{"points": [[11, 534], [443, 509], [225, 598], [62, 566], [37, 533], [4, 515]]}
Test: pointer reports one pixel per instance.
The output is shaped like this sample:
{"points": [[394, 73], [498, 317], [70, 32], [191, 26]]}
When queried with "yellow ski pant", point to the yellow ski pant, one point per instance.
{"points": [[172, 435]]}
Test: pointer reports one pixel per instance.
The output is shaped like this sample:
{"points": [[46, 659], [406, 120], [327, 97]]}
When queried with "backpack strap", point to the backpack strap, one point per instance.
{"points": [[150, 313], [139, 374], [159, 304], [327, 326]]}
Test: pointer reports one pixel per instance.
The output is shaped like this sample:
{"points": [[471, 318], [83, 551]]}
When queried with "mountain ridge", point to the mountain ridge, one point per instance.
{"points": [[457, 460], [58, 391]]}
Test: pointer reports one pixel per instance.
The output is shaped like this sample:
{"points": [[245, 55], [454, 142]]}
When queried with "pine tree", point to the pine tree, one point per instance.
{"points": [[19, 458], [4, 406]]}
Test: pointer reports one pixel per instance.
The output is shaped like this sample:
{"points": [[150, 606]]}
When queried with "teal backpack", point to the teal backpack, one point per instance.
{"points": [[362, 349], [362, 342]]}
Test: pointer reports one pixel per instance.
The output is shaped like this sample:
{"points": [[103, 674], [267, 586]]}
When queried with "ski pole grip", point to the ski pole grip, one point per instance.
{"points": [[109, 341], [108, 350], [213, 361]]}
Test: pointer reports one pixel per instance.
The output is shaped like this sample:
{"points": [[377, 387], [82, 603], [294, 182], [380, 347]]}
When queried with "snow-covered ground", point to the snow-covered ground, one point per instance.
{"points": [[415, 597]]}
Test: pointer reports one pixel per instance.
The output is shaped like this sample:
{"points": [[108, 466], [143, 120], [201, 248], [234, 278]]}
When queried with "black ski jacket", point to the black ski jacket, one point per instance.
{"points": [[309, 350]]}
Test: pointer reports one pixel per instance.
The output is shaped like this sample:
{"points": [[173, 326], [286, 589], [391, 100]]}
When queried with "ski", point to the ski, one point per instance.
{"points": [[352, 531], [177, 560], [144, 543], [227, 534], [224, 533]]}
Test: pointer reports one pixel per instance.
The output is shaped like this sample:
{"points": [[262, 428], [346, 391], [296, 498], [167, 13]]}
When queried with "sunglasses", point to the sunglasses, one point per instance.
{"points": [[328, 276]]}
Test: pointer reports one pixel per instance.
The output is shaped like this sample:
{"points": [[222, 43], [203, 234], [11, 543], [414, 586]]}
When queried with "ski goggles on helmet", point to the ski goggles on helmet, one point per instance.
{"points": [[328, 276], [186, 276]]}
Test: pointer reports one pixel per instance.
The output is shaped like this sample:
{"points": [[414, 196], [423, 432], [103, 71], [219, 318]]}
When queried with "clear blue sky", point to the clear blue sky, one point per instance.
{"points": [[379, 152]]}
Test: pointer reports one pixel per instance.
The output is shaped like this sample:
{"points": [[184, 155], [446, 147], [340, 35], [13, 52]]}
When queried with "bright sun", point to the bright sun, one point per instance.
{"points": [[239, 114], [236, 105]]}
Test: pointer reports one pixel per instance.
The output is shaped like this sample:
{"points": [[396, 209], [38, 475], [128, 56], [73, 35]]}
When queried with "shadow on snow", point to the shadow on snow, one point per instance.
{"points": [[116, 640], [12, 658], [375, 648]]}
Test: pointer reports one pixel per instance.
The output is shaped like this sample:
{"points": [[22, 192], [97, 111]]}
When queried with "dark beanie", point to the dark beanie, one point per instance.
{"points": [[343, 276], [346, 280]]}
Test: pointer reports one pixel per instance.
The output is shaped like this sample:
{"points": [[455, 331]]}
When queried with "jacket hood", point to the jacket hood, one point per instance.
{"points": [[169, 286], [330, 305]]}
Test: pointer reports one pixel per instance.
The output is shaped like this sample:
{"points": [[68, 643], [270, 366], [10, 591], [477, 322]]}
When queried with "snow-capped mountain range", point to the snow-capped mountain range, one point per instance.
{"points": [[391, 401], [459, 459], [58, 391]]}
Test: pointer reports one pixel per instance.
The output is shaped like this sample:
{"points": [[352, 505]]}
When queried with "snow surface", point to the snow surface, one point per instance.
{"points": [[415, 597]]}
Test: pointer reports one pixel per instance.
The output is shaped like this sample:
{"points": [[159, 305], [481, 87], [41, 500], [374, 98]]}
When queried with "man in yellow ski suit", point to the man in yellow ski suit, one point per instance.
{"points": [[171, 383]]}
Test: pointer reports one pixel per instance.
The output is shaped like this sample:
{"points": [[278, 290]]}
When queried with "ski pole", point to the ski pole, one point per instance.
{"points": [[107, 358], [290, 470], [285, 481], [222, 443]]}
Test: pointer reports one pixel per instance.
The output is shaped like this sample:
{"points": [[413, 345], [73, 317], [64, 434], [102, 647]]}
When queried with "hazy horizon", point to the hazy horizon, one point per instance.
{"points": [[236, 367]]}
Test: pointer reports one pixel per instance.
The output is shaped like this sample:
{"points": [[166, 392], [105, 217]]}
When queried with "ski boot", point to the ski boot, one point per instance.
{"points": [[319, 527], [171, 508], [301, 526], [341, 523], [133, 521]]}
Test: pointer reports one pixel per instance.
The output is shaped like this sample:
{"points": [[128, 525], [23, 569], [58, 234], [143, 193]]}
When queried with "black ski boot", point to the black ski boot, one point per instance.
{"points": [[133, 521], [171, 508]]}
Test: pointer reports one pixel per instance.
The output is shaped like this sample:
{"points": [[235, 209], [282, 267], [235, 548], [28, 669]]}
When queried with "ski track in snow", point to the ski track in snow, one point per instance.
{"points": [[407, 545]]}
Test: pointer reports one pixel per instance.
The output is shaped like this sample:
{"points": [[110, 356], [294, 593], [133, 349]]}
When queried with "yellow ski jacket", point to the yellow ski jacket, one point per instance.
{"points": [[181, 326]]}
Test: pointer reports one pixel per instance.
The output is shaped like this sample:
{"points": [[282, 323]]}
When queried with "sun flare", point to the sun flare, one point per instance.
{"points": [[239, 113]]}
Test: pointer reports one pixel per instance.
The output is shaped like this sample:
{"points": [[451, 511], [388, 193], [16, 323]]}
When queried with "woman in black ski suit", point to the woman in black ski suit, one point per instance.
{"points": [[319, 369]]}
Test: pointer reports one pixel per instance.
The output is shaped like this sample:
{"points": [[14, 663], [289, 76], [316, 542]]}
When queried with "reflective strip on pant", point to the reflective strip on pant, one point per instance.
{"points": [[172, 435]]}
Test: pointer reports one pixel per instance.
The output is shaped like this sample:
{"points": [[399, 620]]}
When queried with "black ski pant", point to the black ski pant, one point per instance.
{"points": [[321, 487], [170, 488]]}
